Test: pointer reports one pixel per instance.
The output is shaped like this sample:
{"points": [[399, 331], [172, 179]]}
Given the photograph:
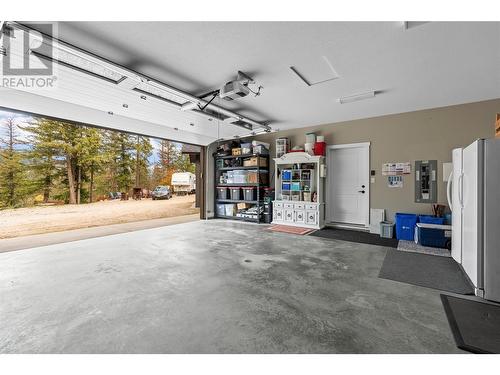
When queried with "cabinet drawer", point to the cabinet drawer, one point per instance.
{"points": [[311, 217], [278, 215], [288, 206], [299, 206], [300, 216], [311, 206], [289, 215], [278, 204]]}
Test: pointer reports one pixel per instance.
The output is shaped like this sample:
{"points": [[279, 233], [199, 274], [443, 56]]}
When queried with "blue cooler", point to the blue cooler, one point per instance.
{"points": [[428, 219], [433, 235]]}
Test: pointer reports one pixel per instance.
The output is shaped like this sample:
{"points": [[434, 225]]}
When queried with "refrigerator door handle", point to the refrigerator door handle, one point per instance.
{"points": [[448, 191], [461, 190]]}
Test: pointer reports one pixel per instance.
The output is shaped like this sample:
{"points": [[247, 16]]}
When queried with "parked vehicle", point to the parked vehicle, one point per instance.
{"points": [[184, 183], [161, 192]]}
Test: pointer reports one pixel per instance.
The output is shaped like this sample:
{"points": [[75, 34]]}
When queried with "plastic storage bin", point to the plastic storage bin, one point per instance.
{"points": [[386, 229], [246, 148], [235, 193], [428, 219], [220, 209], [240, 177], [222, 192], [286, 175], [249, 193], [405, 226], [230, 209]]}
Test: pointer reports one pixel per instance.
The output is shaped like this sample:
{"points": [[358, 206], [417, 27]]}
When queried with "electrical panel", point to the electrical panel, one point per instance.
{"points": [[426, 181]]}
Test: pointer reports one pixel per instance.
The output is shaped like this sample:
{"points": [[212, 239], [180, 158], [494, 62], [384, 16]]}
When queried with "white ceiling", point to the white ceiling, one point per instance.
{"points": [[427, 65]]}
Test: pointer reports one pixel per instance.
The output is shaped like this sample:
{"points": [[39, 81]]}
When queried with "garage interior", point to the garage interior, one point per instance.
{"points": [[330, 159]]}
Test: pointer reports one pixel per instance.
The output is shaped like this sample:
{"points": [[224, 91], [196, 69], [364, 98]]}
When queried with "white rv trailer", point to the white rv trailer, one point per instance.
{"points": [[184, 183]]}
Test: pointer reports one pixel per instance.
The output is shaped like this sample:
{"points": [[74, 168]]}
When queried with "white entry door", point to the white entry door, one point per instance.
{"points": [[348, 191]]}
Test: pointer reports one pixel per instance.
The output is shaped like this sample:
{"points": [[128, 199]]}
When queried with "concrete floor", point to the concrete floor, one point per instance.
{"points": [[212, 287], [37, 240]]}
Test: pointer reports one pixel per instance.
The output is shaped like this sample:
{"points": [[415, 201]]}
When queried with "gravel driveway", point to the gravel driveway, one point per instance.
{"points": [[45, 219]]}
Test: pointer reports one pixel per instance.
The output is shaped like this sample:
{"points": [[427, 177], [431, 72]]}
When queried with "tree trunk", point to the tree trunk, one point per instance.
{"points": [[10, 176], [70, 169], [79, 185], [46, 188], [91, 185], [137, 172]]}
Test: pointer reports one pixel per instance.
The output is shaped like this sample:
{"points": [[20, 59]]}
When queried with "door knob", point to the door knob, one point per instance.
{"points": [[361, 191]]}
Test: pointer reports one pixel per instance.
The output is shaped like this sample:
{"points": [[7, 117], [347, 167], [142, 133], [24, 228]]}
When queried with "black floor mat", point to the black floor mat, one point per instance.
{"points": [[355, 236], [475, 323], [425, 270]]}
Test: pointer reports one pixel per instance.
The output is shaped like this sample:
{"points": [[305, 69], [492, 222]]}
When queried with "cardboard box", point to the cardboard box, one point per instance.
{"points": [[252, 162], [243, 206]]}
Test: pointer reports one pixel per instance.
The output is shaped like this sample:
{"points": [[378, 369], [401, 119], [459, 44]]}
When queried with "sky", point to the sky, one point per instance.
{"points": [[21, 118]]}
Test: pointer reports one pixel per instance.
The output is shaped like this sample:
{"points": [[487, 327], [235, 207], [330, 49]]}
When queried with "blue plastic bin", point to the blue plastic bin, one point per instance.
{"points": [[434, 237], [428, 219], [405, 226]]}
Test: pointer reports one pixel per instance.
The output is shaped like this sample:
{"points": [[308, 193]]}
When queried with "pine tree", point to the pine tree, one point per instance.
{"points": [[143, 150], [14, 186], [44, 155], [76, 147], [168, 155], [120, 151]]}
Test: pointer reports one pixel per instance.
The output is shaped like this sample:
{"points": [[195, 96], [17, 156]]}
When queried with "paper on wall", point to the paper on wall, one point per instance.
{"points": [[395, 181], [396, 169]]}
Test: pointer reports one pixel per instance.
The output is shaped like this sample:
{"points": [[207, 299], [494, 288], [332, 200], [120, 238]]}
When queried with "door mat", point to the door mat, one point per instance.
{"points": [[289, 229], [425, 270], [475, 323], [413, 247], [356, 236]]}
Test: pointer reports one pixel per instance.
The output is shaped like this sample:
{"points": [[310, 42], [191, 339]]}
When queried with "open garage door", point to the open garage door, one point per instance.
{"points": [[57, 175]]}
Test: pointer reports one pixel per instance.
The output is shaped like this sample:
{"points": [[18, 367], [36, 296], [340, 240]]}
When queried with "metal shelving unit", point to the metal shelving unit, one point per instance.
{"points": [[259, 202]]}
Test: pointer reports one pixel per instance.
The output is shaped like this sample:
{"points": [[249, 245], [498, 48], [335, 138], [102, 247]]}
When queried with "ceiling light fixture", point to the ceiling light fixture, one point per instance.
{"points": [[110, 113], [357, 97], [191, 124], [125, 105]]}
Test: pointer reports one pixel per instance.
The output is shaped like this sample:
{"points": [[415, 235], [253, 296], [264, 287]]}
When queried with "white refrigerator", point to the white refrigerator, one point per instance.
{"points": [[475, 204]]}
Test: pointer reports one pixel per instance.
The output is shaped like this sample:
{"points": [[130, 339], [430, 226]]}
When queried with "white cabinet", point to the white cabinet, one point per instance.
{"points": [[289, 216], [298, 214], [278, 215], [298, 178], [311, 217]]}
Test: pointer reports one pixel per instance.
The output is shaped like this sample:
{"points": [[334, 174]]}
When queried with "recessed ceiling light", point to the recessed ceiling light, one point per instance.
{"points": [[143, 97], [125, 105], [191, 124], [110, 112], [357, 97]]}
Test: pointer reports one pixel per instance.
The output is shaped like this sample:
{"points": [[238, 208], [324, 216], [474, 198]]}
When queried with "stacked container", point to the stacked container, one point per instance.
{"points": [[235, 193]]}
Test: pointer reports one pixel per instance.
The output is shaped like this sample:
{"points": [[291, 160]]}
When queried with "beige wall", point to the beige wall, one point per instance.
{"points": [[421, 135]]}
